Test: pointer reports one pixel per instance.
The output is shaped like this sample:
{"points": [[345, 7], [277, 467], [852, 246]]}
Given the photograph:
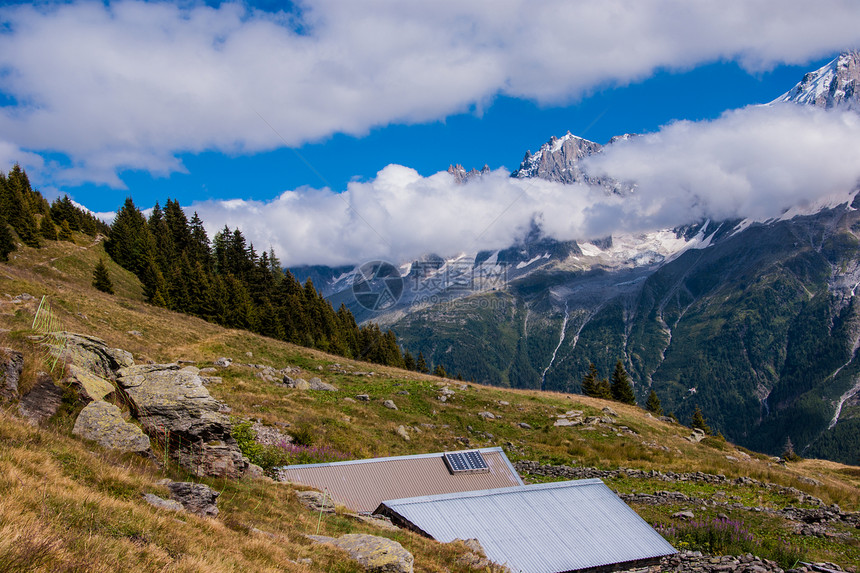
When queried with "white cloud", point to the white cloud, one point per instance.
{"points": [[756, 162], [130, 85]]}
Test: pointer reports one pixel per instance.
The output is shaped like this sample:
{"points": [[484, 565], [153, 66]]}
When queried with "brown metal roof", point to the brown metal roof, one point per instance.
{"points": [[362, 485]]}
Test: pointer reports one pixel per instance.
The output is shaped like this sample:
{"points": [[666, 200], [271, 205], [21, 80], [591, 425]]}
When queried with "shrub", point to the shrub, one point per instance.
{"points": [[729, 537], [283, 454]]}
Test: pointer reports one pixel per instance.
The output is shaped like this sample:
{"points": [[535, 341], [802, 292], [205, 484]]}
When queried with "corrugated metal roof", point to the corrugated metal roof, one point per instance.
{"points": [[541, 528], [362, 485]]}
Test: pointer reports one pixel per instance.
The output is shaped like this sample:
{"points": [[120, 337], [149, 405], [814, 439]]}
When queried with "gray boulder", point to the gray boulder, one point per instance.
{"points": [[317, 384], [162, 503], [89, 386], [11, 366], [375, 554], [697, 436], [390, 404], [91, 354], [401, 431], [316, 501], [196, 498], [173, 402], [42, 401], [103, 423]]}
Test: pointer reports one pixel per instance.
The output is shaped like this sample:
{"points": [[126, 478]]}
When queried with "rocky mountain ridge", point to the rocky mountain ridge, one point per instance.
{"points": [[833, 86]]}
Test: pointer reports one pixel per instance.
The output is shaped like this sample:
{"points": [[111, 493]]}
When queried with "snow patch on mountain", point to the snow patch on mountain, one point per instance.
{"points": [[641, 250], [831, 86]]}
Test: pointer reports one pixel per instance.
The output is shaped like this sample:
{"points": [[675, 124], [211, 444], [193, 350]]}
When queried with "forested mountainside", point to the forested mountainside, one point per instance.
{"points": [[759, 329]]}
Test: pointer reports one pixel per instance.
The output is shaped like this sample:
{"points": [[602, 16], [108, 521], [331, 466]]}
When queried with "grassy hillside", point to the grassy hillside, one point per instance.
{"points": [[66, 505]]}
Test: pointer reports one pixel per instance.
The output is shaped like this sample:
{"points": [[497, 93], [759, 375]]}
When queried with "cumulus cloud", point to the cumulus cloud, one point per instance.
{"points": [[756, 162], [130, 85], [751, 163]]}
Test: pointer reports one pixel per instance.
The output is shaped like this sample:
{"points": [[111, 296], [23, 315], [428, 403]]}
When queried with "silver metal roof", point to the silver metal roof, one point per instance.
{"points": [[362, 485], [540, 528]]}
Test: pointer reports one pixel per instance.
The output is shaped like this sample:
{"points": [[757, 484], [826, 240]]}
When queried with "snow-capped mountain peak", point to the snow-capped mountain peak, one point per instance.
{"points": [[831, 86], [557, 159]]}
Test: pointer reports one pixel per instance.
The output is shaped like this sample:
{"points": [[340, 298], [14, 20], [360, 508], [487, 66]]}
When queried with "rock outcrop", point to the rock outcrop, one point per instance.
{"points": [[103, 423], [174, 406], [375, 554], [196, 498], [91, 354], [42, 401], [90, 387], [11, 366]]}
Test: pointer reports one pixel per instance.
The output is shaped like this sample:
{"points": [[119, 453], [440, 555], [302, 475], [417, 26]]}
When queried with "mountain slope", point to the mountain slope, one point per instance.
{"points": [[831, 86]]}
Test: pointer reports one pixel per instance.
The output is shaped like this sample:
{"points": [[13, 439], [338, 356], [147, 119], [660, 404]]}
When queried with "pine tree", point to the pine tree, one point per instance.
{"points": [[590, 381], [421, 364], [622, 390], [440, 371], [16, 197], [130, 243], [788, 453], [653, 404], [409, 361], [7, 241], [65, 233], [158, 300], [603, 389], [101, 278], [698, 421], [47, 228]]}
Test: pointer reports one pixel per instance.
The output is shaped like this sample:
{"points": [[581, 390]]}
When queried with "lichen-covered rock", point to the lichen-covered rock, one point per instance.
{"points": [[172, 403], [317, 384], [162, 503], [316, 501], [42, 401], [91, 354], [196, 498], [103, 423], [89, 386], [376, 554], [11, 366], [401, 431]]}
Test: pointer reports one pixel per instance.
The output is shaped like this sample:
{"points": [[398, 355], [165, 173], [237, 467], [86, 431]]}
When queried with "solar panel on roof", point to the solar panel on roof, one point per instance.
{"points": [[466, 462]]}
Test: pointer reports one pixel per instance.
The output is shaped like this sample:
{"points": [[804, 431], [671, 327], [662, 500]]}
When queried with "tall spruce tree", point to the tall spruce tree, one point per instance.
{"points": [[603, 389], [101, 278], [590, 381], [15, 205], [653, 404], [65, 233], [408, 361], [47, 228], [622, 390], [130, 243], [7, 241], [421, 364], [698, 421]]}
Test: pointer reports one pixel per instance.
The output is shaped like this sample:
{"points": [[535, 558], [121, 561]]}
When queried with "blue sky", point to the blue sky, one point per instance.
{"points": [[275, 121], [498, 136]]}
